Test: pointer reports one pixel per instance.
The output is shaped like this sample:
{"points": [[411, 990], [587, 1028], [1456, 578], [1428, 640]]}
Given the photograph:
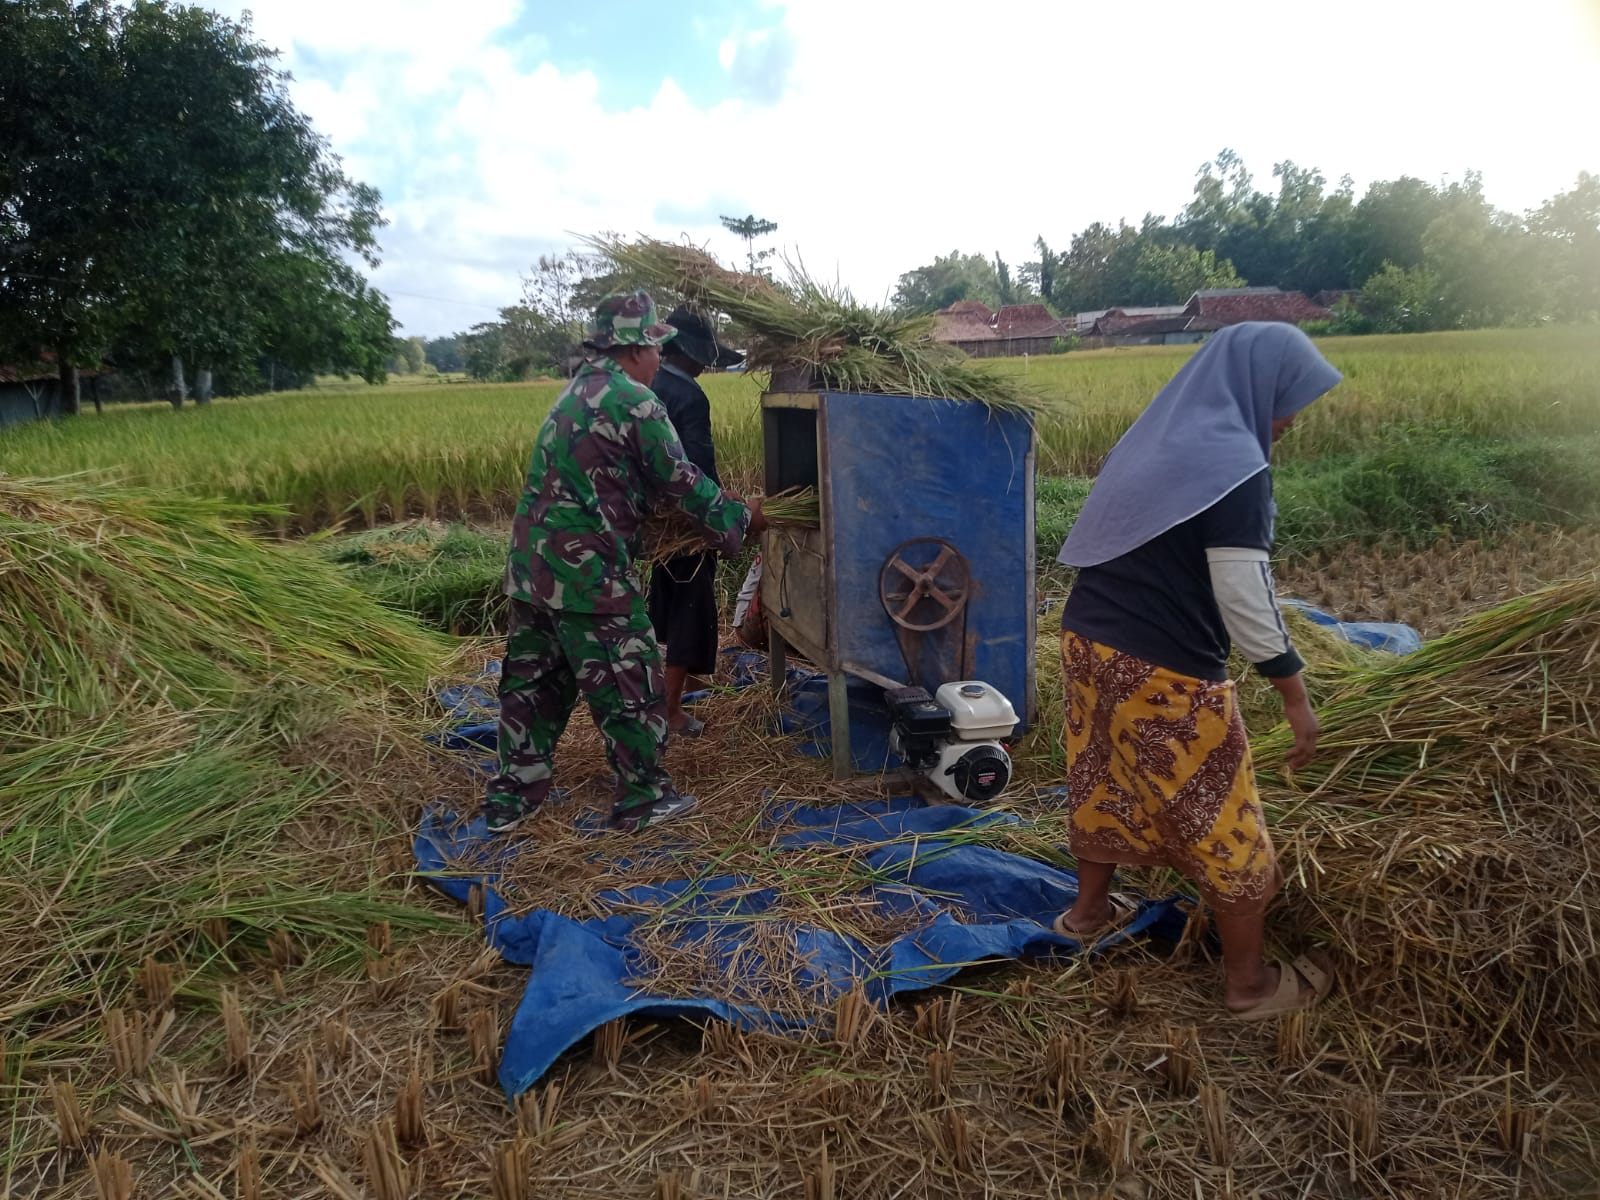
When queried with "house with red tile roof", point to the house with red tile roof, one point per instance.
{"points": [[1231, 306], [1016, 329]]}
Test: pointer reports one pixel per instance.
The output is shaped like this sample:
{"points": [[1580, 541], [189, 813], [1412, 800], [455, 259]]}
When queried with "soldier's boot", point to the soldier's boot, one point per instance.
{"points": [[537, 693]]}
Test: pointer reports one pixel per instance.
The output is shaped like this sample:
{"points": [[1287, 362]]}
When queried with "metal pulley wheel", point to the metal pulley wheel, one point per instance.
{"points": [[924, 584]]}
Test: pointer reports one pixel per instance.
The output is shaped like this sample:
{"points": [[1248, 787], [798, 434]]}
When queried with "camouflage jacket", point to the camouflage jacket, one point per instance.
{"points": [[606, 457]]}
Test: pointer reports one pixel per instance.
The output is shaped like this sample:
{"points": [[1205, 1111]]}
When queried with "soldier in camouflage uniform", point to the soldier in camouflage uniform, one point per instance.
{"points": [[605, 458]]}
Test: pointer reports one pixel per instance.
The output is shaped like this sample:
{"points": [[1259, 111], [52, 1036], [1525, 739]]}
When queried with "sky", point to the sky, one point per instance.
{"points": [[880, 133]]}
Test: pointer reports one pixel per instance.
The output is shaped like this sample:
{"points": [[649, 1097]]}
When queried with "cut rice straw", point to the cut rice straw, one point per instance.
{"points": [[805, 324]]}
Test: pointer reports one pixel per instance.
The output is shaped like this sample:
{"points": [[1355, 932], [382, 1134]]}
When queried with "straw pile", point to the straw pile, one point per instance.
{"points": [[1115, 1077], [449, 576], [803, 323], [185, 712], [1444, 836]]}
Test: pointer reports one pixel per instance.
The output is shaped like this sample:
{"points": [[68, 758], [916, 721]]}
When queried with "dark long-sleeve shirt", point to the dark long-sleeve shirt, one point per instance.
{"points": [[690, 409], [1161, 602]]}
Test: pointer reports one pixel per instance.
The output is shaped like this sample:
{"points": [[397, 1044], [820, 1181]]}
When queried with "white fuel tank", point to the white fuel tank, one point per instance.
{"points": [[978, 713]]}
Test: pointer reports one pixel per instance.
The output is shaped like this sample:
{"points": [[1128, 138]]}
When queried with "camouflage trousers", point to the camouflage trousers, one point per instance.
{"points": [[551, 658]]}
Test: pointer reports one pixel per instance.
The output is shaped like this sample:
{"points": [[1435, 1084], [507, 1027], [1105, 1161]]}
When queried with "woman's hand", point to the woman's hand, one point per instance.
{"points": [[1302, 720]]}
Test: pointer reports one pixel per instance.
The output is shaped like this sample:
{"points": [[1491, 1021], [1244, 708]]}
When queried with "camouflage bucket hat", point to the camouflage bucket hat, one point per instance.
{"points": [[627, 319]]}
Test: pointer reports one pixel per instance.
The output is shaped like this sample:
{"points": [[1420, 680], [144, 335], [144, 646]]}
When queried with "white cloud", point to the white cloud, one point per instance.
{"points": [[880, 134]]}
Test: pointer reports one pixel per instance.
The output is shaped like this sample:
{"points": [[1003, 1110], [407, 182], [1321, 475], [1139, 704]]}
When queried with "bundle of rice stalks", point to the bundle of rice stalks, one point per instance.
{"points": [[807, 324], [186, 712], [448, 576], [1444, 836], [671, 534]]}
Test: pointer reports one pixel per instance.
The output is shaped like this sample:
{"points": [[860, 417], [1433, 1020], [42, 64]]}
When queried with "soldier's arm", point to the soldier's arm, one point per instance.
{"points": [[670, 474]]}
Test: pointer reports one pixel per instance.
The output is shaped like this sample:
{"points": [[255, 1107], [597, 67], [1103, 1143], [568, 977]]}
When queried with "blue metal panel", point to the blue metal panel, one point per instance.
{"points": [[899, 468]]}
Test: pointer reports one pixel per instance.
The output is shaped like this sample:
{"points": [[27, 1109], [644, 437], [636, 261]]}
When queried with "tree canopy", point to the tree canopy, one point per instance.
{"points": [[1425, 256], [161, 198]]}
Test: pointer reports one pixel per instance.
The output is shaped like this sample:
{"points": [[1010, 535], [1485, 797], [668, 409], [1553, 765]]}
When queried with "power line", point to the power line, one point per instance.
{"points": [[444, 300]]}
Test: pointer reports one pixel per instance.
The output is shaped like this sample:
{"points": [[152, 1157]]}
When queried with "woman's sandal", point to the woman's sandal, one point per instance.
{"points": [[1288, 998], [1124, 908]]}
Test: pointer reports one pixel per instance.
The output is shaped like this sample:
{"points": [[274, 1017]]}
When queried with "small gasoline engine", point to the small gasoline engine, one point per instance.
{"points": [[956, 738]]}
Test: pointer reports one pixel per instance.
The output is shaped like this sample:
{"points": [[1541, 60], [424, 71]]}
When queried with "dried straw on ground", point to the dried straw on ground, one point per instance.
{"points": [[1444, 840], [1112, 1077], [806, 324], [187, 710], [1434, 589]]}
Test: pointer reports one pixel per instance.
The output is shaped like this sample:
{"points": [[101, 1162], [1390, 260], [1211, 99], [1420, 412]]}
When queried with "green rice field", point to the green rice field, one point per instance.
{"points": [[363, 455]]}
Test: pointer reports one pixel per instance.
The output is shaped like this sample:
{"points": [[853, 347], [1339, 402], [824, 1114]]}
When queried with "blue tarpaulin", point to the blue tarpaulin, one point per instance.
{"points": [[979, 904], [1374, 635], [581, 970]]}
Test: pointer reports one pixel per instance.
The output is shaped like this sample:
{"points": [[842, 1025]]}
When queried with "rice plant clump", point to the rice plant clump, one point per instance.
{"points": [[186, 712]]}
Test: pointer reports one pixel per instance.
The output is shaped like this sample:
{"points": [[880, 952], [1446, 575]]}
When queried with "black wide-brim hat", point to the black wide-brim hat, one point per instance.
{"points": [[697, 340]]}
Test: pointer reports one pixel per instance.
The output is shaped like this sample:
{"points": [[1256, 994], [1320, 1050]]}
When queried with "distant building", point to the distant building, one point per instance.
{"points": [[1030, 329], [31, 391], [1125, 315], [1206, 312], [1016, 329], [1231, 306], [1178, 330], [967, 325]]}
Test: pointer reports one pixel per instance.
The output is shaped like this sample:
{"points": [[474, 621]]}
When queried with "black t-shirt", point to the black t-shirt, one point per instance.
{"points": [[1156, 601]]}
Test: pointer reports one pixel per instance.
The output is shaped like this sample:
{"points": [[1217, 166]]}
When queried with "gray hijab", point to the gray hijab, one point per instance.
{"points": [[1204, 434]]}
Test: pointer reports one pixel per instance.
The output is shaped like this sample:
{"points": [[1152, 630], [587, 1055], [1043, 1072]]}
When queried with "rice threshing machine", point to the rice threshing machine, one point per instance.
{"points": [[915, 595]]}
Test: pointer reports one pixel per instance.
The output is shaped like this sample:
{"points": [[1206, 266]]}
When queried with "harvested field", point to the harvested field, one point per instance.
{"points": [[1113, 1076], [1022, 1083], [222, 981], [1435, 588]]}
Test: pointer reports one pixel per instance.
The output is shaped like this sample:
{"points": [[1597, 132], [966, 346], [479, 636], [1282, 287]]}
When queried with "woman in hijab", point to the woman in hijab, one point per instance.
{"points": [[1172, 548]]}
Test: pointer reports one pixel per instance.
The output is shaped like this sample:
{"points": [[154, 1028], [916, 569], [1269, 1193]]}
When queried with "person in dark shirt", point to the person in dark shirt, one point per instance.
{"points": [[1172, 548], [683, 597]]}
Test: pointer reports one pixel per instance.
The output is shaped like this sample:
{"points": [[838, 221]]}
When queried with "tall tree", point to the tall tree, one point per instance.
{"points": [[1042, 272], [1323, 257], [1171, 274], [412, 354], [1567, 227], [949, 278], [57, 280], [750, 228], [158, 187], [1096, 270], [1005, 290], [1223, 191], [444, 354], [1389, 225], [558, 290]]}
